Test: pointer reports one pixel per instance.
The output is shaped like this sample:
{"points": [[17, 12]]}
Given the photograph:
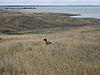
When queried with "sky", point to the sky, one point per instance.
{"points": [[52, 2]]}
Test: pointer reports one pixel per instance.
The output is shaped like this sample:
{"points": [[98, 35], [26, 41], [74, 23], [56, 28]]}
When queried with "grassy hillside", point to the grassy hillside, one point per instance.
{"points": [[76, 48], [25, 23]]}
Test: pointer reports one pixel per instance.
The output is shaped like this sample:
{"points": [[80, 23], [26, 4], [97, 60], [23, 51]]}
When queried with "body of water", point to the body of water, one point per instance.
{"points": [[84, 11]]}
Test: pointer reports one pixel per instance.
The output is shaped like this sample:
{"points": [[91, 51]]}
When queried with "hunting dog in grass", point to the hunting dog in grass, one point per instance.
{"points": [[47, 42]]}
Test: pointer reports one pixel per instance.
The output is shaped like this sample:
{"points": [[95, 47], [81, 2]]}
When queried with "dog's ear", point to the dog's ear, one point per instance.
{"points": [[44, 39], [0, 39]]}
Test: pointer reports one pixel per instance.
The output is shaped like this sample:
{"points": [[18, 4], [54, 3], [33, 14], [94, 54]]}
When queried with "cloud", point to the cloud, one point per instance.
{"points": [[49, 1]]}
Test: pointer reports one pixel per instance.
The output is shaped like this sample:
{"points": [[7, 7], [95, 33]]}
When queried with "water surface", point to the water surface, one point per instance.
{"points": [[84, 11]]}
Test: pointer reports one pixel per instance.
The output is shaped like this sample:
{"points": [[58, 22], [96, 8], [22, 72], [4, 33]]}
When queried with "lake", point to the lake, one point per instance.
{"points": [[87, 11]]}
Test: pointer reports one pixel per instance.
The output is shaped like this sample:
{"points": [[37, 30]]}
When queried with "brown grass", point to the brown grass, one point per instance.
{"points": [[40, 23], [75, 52]]}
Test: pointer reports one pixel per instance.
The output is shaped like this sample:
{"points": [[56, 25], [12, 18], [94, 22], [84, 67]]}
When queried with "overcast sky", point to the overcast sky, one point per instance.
{"points": [[65, 2]]}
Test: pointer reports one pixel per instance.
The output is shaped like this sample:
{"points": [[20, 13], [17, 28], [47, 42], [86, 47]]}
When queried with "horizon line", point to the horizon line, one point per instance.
{"points": [[49, 4]]}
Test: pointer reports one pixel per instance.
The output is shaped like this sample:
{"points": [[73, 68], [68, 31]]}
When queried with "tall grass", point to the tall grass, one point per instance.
{"points": [[74, 52]]}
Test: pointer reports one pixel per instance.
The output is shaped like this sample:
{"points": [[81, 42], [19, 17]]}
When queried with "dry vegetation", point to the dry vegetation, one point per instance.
{"points": [[76, 51], [39, 23]]}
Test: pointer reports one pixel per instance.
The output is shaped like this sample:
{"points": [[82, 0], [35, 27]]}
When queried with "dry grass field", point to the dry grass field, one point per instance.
{"points": [[76, 51]]}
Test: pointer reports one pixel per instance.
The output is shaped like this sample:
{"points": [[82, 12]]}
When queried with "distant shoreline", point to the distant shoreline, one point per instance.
{"points": [[63, 14], [18, 8]]}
